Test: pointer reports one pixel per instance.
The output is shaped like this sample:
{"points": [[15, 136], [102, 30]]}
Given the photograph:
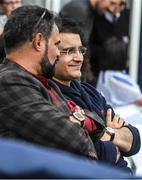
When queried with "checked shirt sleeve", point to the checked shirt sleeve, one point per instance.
{"points": [[27, 112]]}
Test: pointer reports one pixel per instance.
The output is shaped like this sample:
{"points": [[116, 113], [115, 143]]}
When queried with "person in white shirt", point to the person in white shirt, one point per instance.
{"points": [[114, 82]]}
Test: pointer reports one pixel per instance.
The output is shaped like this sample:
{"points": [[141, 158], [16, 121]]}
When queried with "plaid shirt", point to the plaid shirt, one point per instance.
{"points": [[28, 112]]}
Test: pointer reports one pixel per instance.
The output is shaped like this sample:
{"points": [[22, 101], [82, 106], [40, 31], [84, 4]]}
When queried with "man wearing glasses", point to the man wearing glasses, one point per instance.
{"points": [[7, 6], [100, 20], [67, 71]]}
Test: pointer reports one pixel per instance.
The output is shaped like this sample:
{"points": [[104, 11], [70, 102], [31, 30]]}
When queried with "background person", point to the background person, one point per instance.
{"points": [[7, 6], [113, 78]]}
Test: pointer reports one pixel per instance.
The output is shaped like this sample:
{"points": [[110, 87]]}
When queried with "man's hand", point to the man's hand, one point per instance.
{"points": [[116, 123], [123, 136], [74, 120]]}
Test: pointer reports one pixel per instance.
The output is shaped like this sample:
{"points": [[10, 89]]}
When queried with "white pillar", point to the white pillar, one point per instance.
{"points": [[135, 38]]}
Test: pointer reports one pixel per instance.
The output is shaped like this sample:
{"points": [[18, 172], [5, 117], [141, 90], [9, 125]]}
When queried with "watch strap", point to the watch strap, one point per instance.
{"points": [[111, 134], [112, 137]]}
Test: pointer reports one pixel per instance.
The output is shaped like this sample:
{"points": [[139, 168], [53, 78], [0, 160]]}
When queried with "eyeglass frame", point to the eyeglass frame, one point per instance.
{"points": [[35, 27], [66, 50], [71, 50], [40, 19]]}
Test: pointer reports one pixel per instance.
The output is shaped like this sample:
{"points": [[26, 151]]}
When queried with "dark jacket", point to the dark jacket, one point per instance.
{"points": [[86, 96], [28, 112], [103, 30]]}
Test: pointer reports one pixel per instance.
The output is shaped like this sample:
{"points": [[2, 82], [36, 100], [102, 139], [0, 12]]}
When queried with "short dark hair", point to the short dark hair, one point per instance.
{"points": [[71, 26], [113, 54], [22, 25]]}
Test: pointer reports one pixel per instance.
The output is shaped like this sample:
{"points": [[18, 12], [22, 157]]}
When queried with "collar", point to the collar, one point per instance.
{"points": [[67, 89], [41, 78]]}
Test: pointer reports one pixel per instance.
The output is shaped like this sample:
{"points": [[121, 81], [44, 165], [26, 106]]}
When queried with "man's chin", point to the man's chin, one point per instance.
{"points": [[77, 76]]}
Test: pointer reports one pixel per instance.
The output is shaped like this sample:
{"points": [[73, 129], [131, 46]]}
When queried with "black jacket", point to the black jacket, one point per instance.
{"points": [[87, 97], [103, 30]]}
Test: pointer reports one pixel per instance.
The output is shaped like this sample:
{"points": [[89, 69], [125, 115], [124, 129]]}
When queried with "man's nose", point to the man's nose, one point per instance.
{"points": [[58, 52], [114, 9], [78, 55]]}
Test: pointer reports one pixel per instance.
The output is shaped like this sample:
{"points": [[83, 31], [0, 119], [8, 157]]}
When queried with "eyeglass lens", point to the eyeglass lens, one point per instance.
{"points": [[72, 50]]}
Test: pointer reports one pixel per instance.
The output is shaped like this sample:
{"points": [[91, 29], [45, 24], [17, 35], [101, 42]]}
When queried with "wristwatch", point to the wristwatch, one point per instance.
{"points": [[110, 131], [80, 117]]}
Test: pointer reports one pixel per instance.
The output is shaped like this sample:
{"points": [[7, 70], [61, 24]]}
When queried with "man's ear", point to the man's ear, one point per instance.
{"points": [[38, 42]]}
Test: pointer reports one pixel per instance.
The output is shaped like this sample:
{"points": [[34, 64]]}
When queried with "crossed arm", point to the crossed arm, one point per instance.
{"points": [[123, 135]]}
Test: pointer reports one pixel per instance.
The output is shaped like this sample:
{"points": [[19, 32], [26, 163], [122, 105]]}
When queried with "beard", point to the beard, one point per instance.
{"points": [[48, 69]]}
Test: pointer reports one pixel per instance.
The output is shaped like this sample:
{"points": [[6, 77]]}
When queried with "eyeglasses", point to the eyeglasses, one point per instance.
{"points": [[72, 50], [40, 19]]}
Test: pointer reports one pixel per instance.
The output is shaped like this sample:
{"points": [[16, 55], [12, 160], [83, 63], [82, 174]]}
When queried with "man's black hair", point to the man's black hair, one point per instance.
{"points": [[70, 26], [24, 23]]}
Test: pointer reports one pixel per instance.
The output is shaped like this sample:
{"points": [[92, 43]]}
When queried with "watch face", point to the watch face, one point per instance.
{"points": [[79, 116]]}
